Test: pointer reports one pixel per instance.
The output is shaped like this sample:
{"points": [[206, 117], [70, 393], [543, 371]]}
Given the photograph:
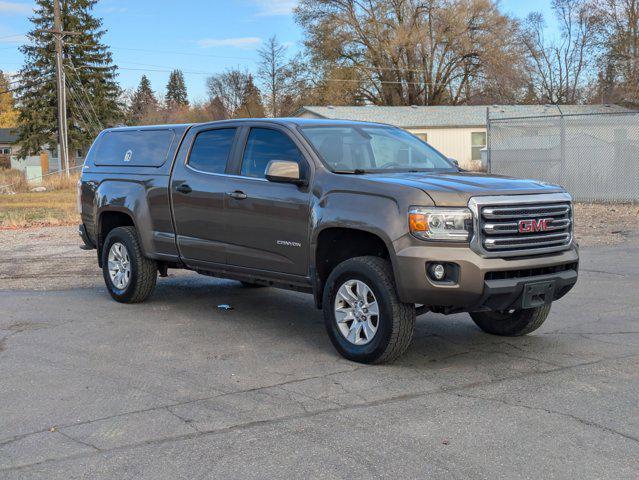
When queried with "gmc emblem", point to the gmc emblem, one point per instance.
{"points": [[534, 225]]}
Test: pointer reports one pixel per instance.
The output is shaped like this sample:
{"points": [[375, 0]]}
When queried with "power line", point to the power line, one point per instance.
{"points": [[23, 87], [14, 35], [75, 77], [170, 52]]}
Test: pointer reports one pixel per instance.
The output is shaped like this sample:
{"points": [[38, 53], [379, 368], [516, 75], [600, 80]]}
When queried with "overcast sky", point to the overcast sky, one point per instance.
{"points": [[199, 37]]}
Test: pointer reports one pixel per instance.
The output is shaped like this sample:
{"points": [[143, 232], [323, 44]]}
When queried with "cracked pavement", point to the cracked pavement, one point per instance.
{"points": [[176, 388]]}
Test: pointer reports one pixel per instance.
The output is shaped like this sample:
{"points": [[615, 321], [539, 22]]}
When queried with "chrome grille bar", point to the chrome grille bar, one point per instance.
{"points": [[524, 211], [525, 241], [513, 227]]}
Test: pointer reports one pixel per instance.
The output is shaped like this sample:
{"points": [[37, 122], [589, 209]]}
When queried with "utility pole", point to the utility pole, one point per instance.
{"points": [[62, 92], [59, 35]]}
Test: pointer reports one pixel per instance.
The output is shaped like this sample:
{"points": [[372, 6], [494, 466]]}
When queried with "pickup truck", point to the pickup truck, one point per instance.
{"points": [[375, 223]]}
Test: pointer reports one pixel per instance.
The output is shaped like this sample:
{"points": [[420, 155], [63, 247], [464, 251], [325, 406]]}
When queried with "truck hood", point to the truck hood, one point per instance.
{"points": [[455, 189]]}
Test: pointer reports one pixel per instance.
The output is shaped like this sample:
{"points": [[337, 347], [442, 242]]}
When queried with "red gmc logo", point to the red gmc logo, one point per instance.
{"points": [[534, 225]]}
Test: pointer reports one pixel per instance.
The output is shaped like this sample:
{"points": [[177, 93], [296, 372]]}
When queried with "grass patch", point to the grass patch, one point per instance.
{"points": [[26, 209]]}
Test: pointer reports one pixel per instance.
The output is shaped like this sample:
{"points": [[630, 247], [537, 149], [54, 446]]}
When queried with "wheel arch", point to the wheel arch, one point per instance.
{"points": [[334, 244], [109, 219]]}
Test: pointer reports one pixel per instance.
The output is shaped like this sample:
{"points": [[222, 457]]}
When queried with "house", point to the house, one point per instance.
{"points": [[459, 132], [33, 166], [8, 147]]}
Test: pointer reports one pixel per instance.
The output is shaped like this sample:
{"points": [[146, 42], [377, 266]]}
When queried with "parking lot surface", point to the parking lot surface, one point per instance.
{"points": [[178, 388]]}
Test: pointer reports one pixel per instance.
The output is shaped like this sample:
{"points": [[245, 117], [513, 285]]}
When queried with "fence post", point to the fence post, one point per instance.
{"points": [[562, 148], [488, 162]]}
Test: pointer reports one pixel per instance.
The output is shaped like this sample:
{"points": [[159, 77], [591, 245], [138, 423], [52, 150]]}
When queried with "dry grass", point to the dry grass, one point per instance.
{"points": [[21, 208], [30, 209], [14, 181]]}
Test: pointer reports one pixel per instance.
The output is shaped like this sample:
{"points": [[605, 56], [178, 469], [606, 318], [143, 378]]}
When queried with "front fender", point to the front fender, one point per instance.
{"points": [[368, 212]]}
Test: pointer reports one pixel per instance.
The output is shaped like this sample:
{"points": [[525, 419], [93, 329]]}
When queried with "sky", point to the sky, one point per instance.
{"points": [[199, 37]]}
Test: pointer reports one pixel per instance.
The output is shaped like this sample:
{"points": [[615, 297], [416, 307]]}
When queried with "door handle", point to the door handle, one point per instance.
{"points": [[238, 195], [184, 188]]}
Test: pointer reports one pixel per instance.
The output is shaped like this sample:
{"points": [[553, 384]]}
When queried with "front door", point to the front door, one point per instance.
{"points": [[268, 221], [199, 185]]}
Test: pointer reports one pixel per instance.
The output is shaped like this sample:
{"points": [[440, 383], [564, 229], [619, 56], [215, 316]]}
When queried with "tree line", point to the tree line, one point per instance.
{"points": [[355, 52]]}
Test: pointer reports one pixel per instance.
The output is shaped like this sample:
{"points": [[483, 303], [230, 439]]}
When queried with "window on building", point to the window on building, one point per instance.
{"points": [[211, 150], [264, 145], [478, 142], [5, 151]]}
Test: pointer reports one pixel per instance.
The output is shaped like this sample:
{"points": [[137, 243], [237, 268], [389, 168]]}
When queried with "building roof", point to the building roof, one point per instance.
{"points": [[8, 135], [449, 116]]}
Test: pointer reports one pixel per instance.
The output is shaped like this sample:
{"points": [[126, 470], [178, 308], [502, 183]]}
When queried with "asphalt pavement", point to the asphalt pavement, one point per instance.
{"points": [[178, 388]]}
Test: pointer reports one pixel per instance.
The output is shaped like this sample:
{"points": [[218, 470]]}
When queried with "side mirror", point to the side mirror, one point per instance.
{"points": [[455, 162], [284, 171]]}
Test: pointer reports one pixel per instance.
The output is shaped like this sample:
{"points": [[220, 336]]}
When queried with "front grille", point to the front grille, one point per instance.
{"points": [[549, 227]]}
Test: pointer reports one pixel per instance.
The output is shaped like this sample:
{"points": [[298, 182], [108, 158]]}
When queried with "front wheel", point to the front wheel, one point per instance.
{"points": [[513, 323], [129, 276], [363, 315]]}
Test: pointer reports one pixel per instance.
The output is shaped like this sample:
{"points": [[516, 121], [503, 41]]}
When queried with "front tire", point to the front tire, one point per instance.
{"points": [[129, 276], [511, 324], [363, 315]]}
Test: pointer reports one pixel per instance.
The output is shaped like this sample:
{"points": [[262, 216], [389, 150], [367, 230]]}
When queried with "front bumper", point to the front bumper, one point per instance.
{"points": [[477, 287]]}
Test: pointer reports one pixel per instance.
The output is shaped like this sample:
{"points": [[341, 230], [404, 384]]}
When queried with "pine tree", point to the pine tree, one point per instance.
{"points": [[143, 103], [251, 105], [8, 113], [92, 92], [176, 90]]}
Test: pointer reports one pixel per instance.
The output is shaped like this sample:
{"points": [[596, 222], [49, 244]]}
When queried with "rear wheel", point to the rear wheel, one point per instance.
{"points": [[129, 276], [511, 324], [363, 315]]}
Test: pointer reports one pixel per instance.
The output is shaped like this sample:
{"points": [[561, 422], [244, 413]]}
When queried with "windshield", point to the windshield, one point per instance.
{"points": [[355, 149]]}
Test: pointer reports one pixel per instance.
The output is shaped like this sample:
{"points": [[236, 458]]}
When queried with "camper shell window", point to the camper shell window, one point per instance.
{"points": [[134, 148]]}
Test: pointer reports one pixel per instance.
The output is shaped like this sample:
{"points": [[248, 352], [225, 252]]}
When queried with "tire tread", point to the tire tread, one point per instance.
{"points": [[145, 268]]}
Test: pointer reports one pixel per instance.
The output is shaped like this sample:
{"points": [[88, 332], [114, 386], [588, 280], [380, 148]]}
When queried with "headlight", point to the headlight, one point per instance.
{"points": [[435, 223]]}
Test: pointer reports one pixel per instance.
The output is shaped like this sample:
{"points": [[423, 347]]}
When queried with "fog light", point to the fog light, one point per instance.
{"points": [[439, 272]]}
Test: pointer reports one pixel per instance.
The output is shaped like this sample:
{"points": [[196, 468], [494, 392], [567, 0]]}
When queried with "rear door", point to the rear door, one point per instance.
{"points": [[198, 187], [268, 221]]}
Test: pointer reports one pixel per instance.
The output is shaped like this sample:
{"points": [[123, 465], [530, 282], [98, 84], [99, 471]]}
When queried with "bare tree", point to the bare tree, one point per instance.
{"points": [[273, 71], [619, 74], [407, 51], [236, 93], [229, 88], [561, 69]]}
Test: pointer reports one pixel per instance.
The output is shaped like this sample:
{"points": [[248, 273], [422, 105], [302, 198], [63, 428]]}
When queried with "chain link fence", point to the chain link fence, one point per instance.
{"points": [[595, 156]]}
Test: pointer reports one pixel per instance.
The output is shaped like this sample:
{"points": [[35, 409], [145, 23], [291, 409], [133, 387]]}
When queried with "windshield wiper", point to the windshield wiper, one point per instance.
{"points": [[357, 171]]}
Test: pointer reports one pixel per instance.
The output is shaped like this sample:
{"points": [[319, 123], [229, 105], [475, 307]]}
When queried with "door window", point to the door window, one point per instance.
{"points": [[211, 150], [264, 145]]}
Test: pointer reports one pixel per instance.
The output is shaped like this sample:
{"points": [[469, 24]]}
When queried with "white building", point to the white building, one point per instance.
{"points": [[458, 132]]}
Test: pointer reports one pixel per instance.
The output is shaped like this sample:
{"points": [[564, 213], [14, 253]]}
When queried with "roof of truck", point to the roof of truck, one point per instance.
{"points": [[289, 121], [294, 121]]}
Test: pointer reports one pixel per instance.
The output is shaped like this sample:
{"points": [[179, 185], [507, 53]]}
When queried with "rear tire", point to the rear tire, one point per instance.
{"points": [[140, 273], [366, 285], [515, 324]]}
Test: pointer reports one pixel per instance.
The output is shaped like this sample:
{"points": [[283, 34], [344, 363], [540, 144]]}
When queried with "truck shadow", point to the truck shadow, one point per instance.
{"points": [[291, 320]]}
